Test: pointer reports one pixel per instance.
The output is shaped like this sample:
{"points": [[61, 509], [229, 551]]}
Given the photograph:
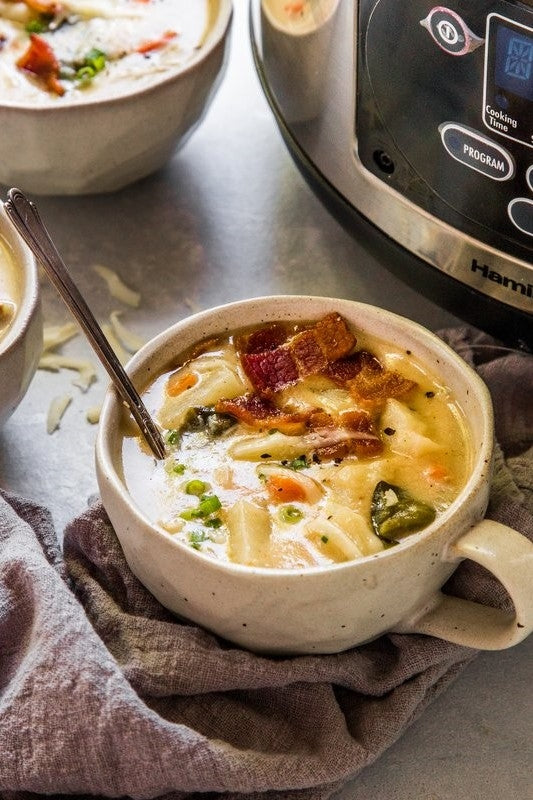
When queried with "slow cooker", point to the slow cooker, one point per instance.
{"points": [[414, 123]]}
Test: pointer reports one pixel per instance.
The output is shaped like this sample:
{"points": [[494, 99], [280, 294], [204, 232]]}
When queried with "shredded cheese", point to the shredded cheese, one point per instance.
{"points": [[93, 414], [57, 408], [56, 335], [130, 340], [122, 354], [117, 288], [54, 362]]}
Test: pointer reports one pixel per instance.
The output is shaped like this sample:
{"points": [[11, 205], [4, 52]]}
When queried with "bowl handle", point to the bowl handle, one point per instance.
{"points": [[509, 557]]}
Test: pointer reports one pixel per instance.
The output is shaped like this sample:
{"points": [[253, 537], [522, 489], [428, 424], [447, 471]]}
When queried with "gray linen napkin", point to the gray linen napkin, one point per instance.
{"points": [[103, 692]]}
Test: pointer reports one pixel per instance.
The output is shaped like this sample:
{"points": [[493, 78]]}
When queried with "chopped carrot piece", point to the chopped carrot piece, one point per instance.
{"points": [[180, 381], [283, 489], [436, 472], [156, 44], [44, 6], [294, 8]]}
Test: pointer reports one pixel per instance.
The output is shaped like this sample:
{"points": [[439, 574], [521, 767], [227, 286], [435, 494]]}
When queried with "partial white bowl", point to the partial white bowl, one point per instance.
{"points": [[102, 145], [21, 345]]}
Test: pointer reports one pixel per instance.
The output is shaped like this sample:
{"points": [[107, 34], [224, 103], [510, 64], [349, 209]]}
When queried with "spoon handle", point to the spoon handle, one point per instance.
{"points": [[25, 217]]}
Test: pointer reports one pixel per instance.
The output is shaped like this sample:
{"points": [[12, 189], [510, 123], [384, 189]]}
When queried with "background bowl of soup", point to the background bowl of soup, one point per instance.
{"points": [[426, 443], [95, 95], [21, 330]]}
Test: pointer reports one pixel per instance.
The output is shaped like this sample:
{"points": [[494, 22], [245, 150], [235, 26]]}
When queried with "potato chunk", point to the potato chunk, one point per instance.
{"points": [[409, 437], [249, 528], [332, 540], [356, 526]]}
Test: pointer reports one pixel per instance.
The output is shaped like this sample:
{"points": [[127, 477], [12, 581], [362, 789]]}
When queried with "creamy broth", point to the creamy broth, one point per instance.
{"points": [[9, 290], [299, 16], [97, 48], [334, 461]]}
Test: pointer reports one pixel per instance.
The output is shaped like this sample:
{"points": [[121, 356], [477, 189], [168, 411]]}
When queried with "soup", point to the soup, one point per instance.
{"points": [[77, 49], [299, 16], [296, 446], [9, 291]]}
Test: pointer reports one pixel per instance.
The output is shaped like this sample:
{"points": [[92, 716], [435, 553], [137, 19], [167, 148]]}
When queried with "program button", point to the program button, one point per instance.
{"points": [[476, 151]]}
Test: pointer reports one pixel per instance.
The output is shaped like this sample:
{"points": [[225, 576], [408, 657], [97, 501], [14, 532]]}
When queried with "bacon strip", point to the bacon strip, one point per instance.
{"points": [[334, 337], [309, 356], [263, 339], [373, 387], [259, 412], [40, 60], [306, 353], [346, 369], [271, 371]]}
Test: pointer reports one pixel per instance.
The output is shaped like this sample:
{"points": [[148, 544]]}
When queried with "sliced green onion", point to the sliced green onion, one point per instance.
{"points": [[195, 487], [173, 437], [35, 26], [96, 59], [196, 537], [178, 469], [86, 73], [208, 505], [298, 463], [214, 522], [290, 514]]}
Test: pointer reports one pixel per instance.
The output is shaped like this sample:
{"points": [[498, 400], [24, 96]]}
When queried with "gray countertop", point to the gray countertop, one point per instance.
{"points": [[230, 217]]}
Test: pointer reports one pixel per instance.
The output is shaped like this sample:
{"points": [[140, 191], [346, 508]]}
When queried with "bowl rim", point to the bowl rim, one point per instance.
{"points": [[482, 460], [31, 295], [218, 32]]}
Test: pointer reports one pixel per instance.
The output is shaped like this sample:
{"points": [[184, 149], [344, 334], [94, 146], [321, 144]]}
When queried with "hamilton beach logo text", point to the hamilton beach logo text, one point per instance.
{"points": [[503, 280]]}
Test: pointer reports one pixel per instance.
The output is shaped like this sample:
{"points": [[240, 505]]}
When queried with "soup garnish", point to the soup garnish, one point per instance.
{"points": [[52, 50], [299, 445]]}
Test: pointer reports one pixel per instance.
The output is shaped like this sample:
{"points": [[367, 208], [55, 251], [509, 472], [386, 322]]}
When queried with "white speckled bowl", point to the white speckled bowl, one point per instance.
{"points": [[21, 347], [104, 145], [332, 608]]}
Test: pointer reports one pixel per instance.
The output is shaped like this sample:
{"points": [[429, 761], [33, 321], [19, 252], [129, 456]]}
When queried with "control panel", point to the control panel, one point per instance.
{"points": [[445, 112]]}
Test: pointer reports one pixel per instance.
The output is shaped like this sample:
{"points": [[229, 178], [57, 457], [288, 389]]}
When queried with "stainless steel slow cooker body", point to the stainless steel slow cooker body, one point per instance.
{"points": [[418, 119]]}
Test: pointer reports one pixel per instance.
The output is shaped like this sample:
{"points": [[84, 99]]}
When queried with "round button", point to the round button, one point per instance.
{"points": [[476, 151], [450, 31], [520, 212]]}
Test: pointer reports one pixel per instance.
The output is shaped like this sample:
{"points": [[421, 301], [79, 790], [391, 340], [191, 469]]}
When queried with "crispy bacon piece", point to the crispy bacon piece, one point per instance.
{"points": [[306, 353], [39, 59], [271, 371], [345, 369], [334, 337], [263, 339], [259, 412], [309, 356], [373, 387]]}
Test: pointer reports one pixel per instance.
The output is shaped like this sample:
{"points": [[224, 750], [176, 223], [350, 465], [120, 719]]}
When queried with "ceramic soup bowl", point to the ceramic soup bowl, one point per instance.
{"points": [[131, 87], [21, 331], [332, 607]]}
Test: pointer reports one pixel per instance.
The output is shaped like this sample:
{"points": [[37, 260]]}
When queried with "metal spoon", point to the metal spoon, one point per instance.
{"points": [[25, 217]]}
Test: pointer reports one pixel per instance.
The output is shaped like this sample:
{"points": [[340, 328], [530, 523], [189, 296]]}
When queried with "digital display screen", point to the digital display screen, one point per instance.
{"points": [[513, 68]]}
